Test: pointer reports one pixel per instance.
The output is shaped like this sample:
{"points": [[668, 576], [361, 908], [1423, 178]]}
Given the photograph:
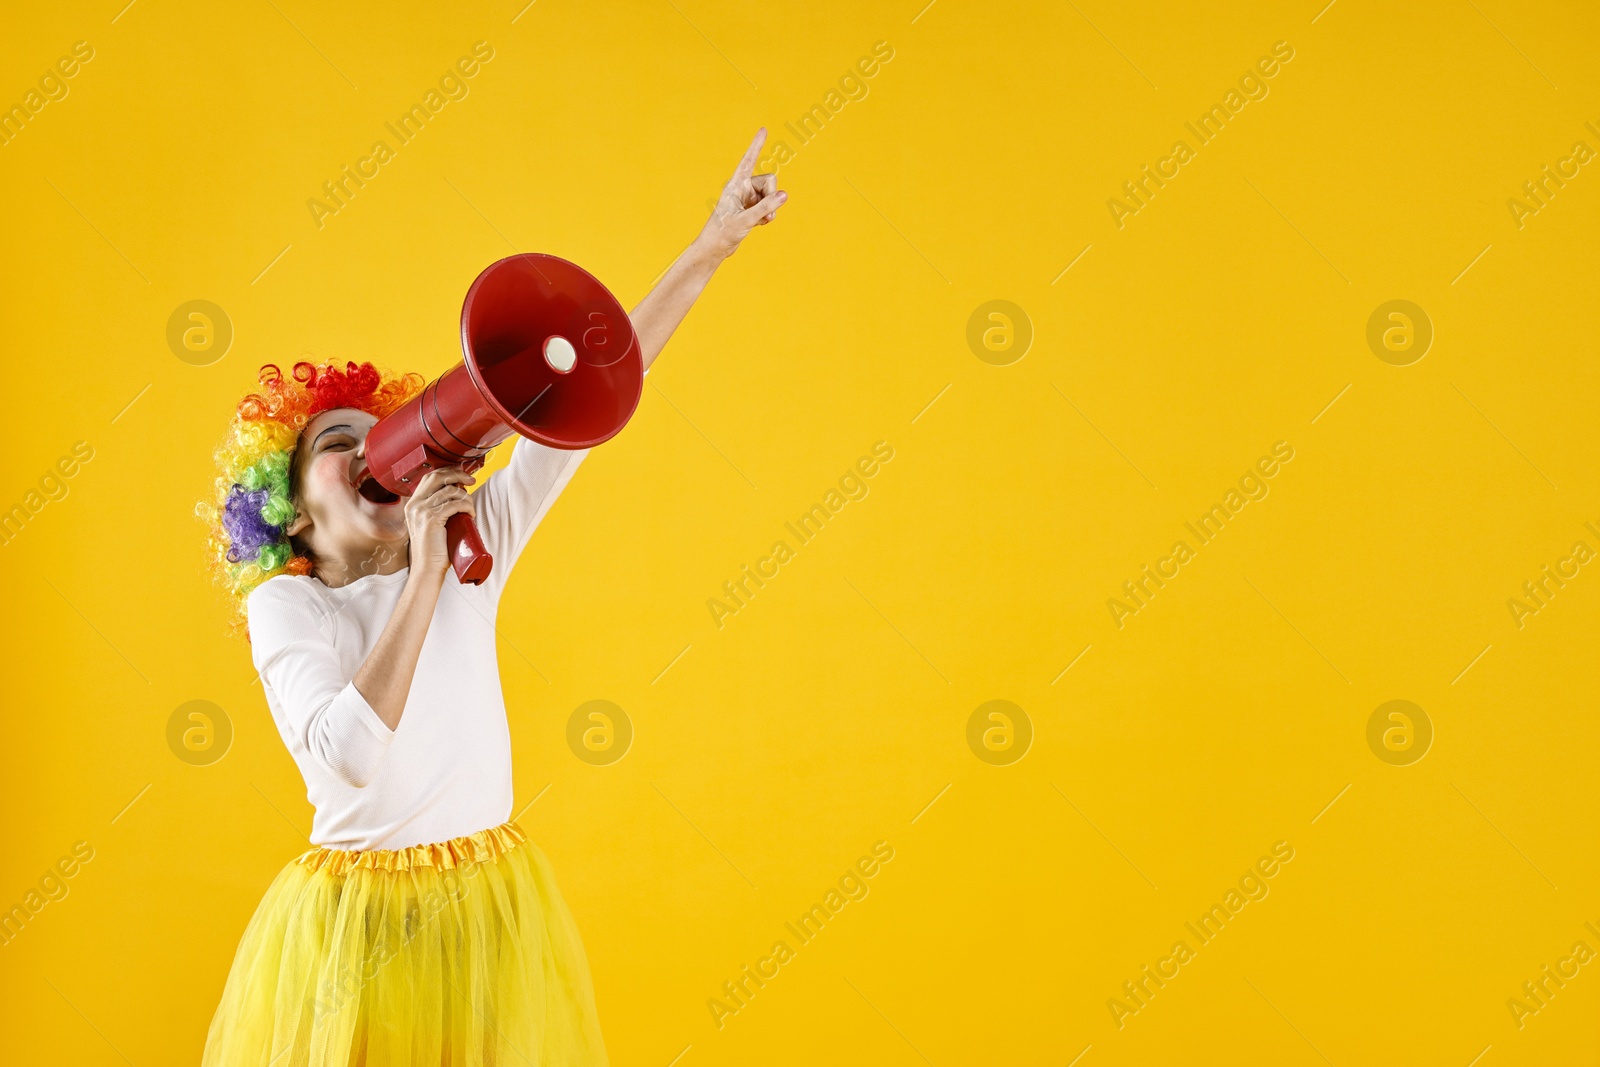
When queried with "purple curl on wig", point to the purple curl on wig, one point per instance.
{"points": [[248, 532]]}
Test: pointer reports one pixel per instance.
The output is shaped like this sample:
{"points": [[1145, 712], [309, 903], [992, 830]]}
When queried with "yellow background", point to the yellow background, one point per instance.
{"points": [[827, 714]]}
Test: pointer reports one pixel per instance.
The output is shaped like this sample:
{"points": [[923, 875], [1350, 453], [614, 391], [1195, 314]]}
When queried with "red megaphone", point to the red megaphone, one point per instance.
{"points": [[547, 352]]}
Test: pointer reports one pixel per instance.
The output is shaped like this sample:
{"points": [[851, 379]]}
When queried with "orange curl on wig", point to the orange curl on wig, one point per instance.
{"points": [[252, 502]]}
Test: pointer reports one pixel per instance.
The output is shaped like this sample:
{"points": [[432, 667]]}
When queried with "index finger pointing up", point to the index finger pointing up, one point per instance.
{"points": [[748, 163]]}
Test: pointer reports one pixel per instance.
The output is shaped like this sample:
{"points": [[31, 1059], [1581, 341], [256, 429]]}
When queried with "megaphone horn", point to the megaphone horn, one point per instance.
{"points": [[547, 353]]}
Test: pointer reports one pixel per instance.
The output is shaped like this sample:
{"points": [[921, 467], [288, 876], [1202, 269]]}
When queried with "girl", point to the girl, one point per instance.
{"points": [[424, 927]]}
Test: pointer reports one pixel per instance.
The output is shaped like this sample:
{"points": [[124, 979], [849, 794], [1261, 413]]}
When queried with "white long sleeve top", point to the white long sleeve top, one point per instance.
{"points": [[446, 770]]}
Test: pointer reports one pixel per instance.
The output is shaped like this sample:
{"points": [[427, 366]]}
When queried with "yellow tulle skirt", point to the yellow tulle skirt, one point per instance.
{"points": [[460, 953]]}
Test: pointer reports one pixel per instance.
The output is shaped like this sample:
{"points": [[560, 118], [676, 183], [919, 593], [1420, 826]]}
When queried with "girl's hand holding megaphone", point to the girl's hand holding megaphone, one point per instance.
{"points": [[748, 200], [441, 493]]}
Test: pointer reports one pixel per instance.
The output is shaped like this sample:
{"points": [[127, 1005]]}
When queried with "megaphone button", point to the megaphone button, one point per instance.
{"points": [[559, 353]]}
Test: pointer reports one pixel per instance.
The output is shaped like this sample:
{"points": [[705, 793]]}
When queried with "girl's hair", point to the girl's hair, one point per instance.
{"points": [[252, 502]]}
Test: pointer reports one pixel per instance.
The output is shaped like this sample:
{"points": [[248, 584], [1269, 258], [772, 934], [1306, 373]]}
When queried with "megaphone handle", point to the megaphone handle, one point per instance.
{"points": [[468, 556]]}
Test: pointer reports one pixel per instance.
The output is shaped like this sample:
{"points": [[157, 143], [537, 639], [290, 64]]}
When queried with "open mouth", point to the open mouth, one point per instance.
{"points": [[370, 489]]}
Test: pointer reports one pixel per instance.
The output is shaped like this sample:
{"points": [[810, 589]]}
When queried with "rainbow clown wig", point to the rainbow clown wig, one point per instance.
{"points": [[253, 501]]}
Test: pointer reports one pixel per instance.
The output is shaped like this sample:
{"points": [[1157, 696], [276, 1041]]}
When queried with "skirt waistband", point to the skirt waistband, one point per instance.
{"points": [[483, 846]]}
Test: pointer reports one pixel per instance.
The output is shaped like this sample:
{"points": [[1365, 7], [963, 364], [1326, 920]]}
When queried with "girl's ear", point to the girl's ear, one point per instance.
{"points": [[300, 522]]}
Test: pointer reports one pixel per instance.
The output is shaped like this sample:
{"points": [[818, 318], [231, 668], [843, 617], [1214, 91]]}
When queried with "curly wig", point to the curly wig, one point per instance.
{"points": [[252, 503]]}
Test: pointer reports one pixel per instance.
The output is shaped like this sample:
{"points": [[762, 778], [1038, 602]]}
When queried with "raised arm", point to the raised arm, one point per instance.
{"points": [[513, 501], [748, 200]]}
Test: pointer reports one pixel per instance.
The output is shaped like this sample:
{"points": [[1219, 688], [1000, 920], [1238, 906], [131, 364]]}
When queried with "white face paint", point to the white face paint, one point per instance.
{"points": [[338, 513]]}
